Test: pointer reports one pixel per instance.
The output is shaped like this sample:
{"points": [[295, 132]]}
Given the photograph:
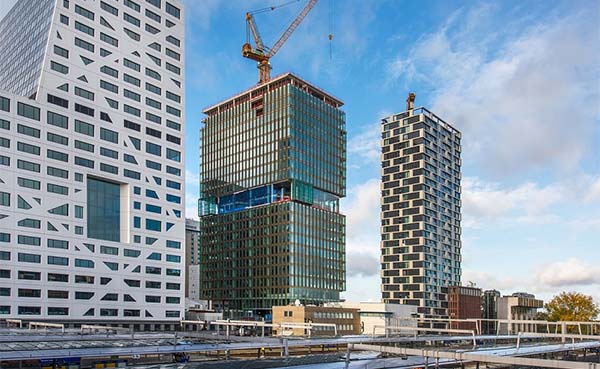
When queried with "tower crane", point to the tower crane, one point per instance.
{"points": [[261, 53]]}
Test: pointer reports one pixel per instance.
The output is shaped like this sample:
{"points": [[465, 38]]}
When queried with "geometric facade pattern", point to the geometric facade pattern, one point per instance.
{"points": [[420, 210], [92, 221]]}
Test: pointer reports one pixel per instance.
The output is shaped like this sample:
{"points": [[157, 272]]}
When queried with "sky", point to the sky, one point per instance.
{"points": [[519, 79]]}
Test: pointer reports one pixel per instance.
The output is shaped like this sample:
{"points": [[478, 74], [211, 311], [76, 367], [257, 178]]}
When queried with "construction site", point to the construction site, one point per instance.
{"points": [[246, 344]]}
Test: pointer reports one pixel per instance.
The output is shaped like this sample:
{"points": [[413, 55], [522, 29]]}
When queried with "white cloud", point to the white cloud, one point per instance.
{"points": [[487, 281], [516, 102], [362, 264], [366, 145], [594, 191], [361, 208], [525, 203], [571, 272]]}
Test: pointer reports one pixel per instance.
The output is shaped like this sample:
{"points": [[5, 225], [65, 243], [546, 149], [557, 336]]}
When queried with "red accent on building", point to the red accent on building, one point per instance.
{"points": [[464, 303]]}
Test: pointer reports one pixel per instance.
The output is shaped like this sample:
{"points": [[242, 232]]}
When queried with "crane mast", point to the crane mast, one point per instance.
{"points": [[261, 54]]}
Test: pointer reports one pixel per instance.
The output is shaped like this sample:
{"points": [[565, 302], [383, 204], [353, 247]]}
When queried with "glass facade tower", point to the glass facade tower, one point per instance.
{"points": [[273, 162], [420, 211]]}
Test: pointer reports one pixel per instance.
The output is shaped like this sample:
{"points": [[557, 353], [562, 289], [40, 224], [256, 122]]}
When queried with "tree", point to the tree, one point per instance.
{"points": [[572, 306]]}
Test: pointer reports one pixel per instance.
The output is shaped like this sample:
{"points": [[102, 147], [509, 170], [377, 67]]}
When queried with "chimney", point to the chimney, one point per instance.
{"points": [[410, 102]]}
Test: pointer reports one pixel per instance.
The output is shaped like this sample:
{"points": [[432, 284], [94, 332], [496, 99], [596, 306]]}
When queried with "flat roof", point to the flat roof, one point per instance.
{"points": [[276, 81]]}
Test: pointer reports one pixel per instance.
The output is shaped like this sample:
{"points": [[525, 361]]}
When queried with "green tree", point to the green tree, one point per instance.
{"points": [[572, 306]]}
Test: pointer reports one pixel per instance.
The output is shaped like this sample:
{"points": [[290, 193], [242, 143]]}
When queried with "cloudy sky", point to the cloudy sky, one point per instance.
{"points": [[520, 79]]}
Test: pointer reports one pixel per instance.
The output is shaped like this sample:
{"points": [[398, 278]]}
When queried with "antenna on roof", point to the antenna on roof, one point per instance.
{"points": [[410, 101]]}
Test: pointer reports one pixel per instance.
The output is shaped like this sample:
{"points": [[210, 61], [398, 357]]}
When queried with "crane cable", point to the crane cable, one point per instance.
{"points": [[272, 7], [331, 26]]}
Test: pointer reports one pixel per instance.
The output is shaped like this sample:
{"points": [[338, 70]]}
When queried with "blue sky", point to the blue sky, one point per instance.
{"points": [[519, 79]]}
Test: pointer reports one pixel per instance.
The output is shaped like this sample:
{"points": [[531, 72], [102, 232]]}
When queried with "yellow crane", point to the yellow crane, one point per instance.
{"points": [[260, 53]]}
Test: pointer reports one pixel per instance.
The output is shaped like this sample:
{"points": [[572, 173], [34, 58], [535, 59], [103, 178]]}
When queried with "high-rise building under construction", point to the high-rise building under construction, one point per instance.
{"points": [[273, 168], [420, 210]]}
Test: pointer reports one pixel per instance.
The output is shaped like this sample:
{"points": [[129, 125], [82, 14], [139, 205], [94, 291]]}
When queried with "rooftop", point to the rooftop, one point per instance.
{"points": [[275, 82]]}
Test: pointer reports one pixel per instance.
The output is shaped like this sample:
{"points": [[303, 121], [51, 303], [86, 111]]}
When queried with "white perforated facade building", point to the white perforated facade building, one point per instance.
{"points": [[92, 224]]}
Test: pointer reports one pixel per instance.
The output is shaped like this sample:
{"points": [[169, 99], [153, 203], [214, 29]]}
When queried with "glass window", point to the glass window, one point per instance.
{"points": [[109, 168], [28, 111], [30, 149], [153, 74], [109, 8], [131, 4], [108, 39], [58, 120], [30, 258], [173, 54], [84, 162], [130, 79], [61, 140], [57, 172], [131, 110], [84, 28], [58, 244], [28, 183], [29, 131], [84, 93], [61, 52], [174, 111], [83, 263], [60, 68], [153, 103], [153, 148], [27, 165], [130, 64], [84, 146], [109, 153], [56, 277], [109, 86], [57, 155], [84, 128], [153, 225], [103, 210], [110, 71], [84, 109], [173, 41], [84, 12], [173, 10], [63, 103], [131, 19], [173, 155], [4, 199], [108, 135], [58, 260], [131, 95], [29, 223], [4, 103], [84, 44]]}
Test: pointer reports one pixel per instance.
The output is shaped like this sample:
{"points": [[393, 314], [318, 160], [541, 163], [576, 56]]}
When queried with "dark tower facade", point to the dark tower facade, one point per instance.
{"points": [[420, 210], [273, 168]]}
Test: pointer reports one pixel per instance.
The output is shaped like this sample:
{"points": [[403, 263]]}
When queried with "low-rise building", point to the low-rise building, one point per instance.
{"points": [[518, 306], [489, 311], [200, 311], [347, 320], [464, 303], [376, 315]]}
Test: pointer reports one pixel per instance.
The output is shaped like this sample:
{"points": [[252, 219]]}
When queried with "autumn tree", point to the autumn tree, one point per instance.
{"points": [[572, 306]]}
